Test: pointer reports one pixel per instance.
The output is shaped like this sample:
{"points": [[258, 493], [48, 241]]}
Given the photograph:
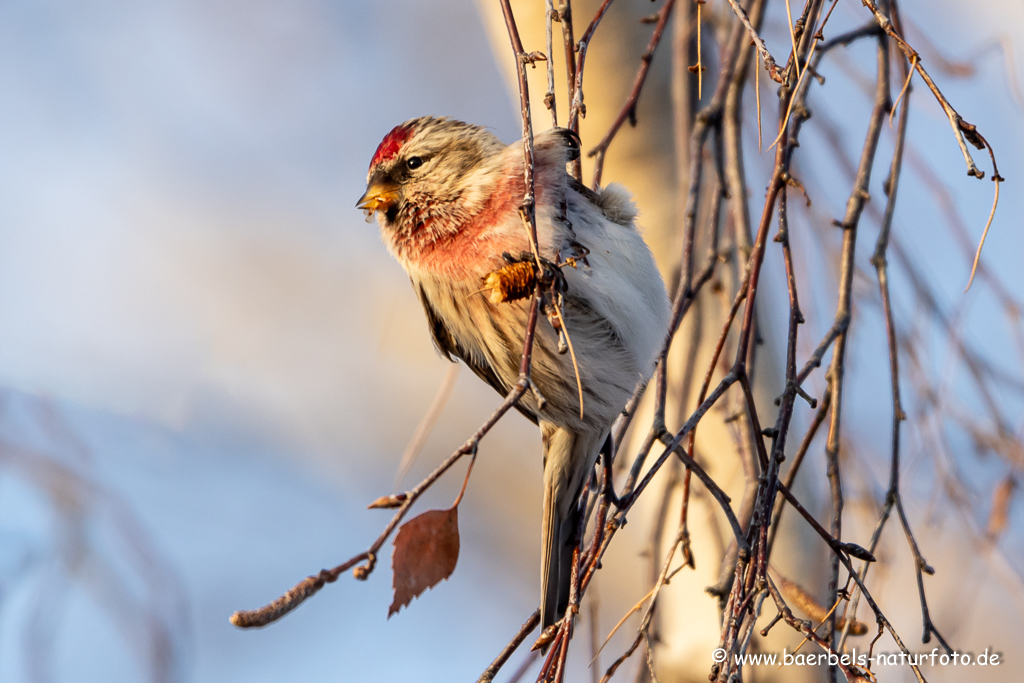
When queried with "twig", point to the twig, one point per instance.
{"points": [[527, 208], [628, 112], [551, 15], [959, 126], [836, 372], [310, 585], [577, 109], [521, 635], [426, 425], [769, 62]]}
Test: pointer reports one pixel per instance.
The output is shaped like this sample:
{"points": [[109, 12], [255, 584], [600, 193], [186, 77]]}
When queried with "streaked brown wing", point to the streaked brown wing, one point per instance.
{"points": [[448, 345]]}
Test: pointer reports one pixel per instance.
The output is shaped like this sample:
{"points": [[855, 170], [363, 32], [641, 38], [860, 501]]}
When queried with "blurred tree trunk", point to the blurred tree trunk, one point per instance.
{"points": [[652, 159]]}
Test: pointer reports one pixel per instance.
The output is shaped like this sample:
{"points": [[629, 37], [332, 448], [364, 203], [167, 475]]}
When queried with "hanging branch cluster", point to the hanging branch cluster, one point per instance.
{"points": [[147, 619], [716, 209]]}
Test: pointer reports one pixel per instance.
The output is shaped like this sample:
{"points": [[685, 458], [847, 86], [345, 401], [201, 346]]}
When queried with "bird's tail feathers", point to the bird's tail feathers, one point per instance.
{"points": [[568, 461]]}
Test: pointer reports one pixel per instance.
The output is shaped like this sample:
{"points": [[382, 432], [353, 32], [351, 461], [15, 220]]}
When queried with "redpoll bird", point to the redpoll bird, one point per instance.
{"points": [[447, 197]]}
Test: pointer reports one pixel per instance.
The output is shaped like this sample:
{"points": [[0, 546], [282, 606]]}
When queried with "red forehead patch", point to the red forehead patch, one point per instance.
{"points": [[389, 146]]}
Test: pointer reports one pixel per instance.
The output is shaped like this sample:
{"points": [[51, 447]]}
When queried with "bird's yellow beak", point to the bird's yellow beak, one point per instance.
{"points": [[379, 196]]}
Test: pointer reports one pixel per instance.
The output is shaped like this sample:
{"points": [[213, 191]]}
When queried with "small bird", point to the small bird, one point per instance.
{"points": [[447, 195]]}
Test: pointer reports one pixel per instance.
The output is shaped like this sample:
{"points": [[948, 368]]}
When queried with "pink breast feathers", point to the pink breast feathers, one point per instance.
{"points": [[389, 146], [474, 248]]}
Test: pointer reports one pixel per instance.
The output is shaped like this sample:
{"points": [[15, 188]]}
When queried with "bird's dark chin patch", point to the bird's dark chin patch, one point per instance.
{"points": [[391, 213]]}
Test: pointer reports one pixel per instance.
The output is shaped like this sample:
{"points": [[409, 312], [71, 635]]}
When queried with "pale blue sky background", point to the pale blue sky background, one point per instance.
{"points": [[186, 287]]}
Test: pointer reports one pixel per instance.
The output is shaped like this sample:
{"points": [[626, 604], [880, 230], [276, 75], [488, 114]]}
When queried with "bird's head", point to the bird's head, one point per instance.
{"points": [[419, 168]]}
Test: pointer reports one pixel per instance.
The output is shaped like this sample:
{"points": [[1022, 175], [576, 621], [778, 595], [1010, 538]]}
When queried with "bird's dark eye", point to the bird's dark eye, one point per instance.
{"points": [[414, 162]]}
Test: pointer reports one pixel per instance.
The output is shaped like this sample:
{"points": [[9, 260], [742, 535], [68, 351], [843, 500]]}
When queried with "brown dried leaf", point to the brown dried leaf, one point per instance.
{"points": [[426, 550], [806, 603], [1001, 497]]}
